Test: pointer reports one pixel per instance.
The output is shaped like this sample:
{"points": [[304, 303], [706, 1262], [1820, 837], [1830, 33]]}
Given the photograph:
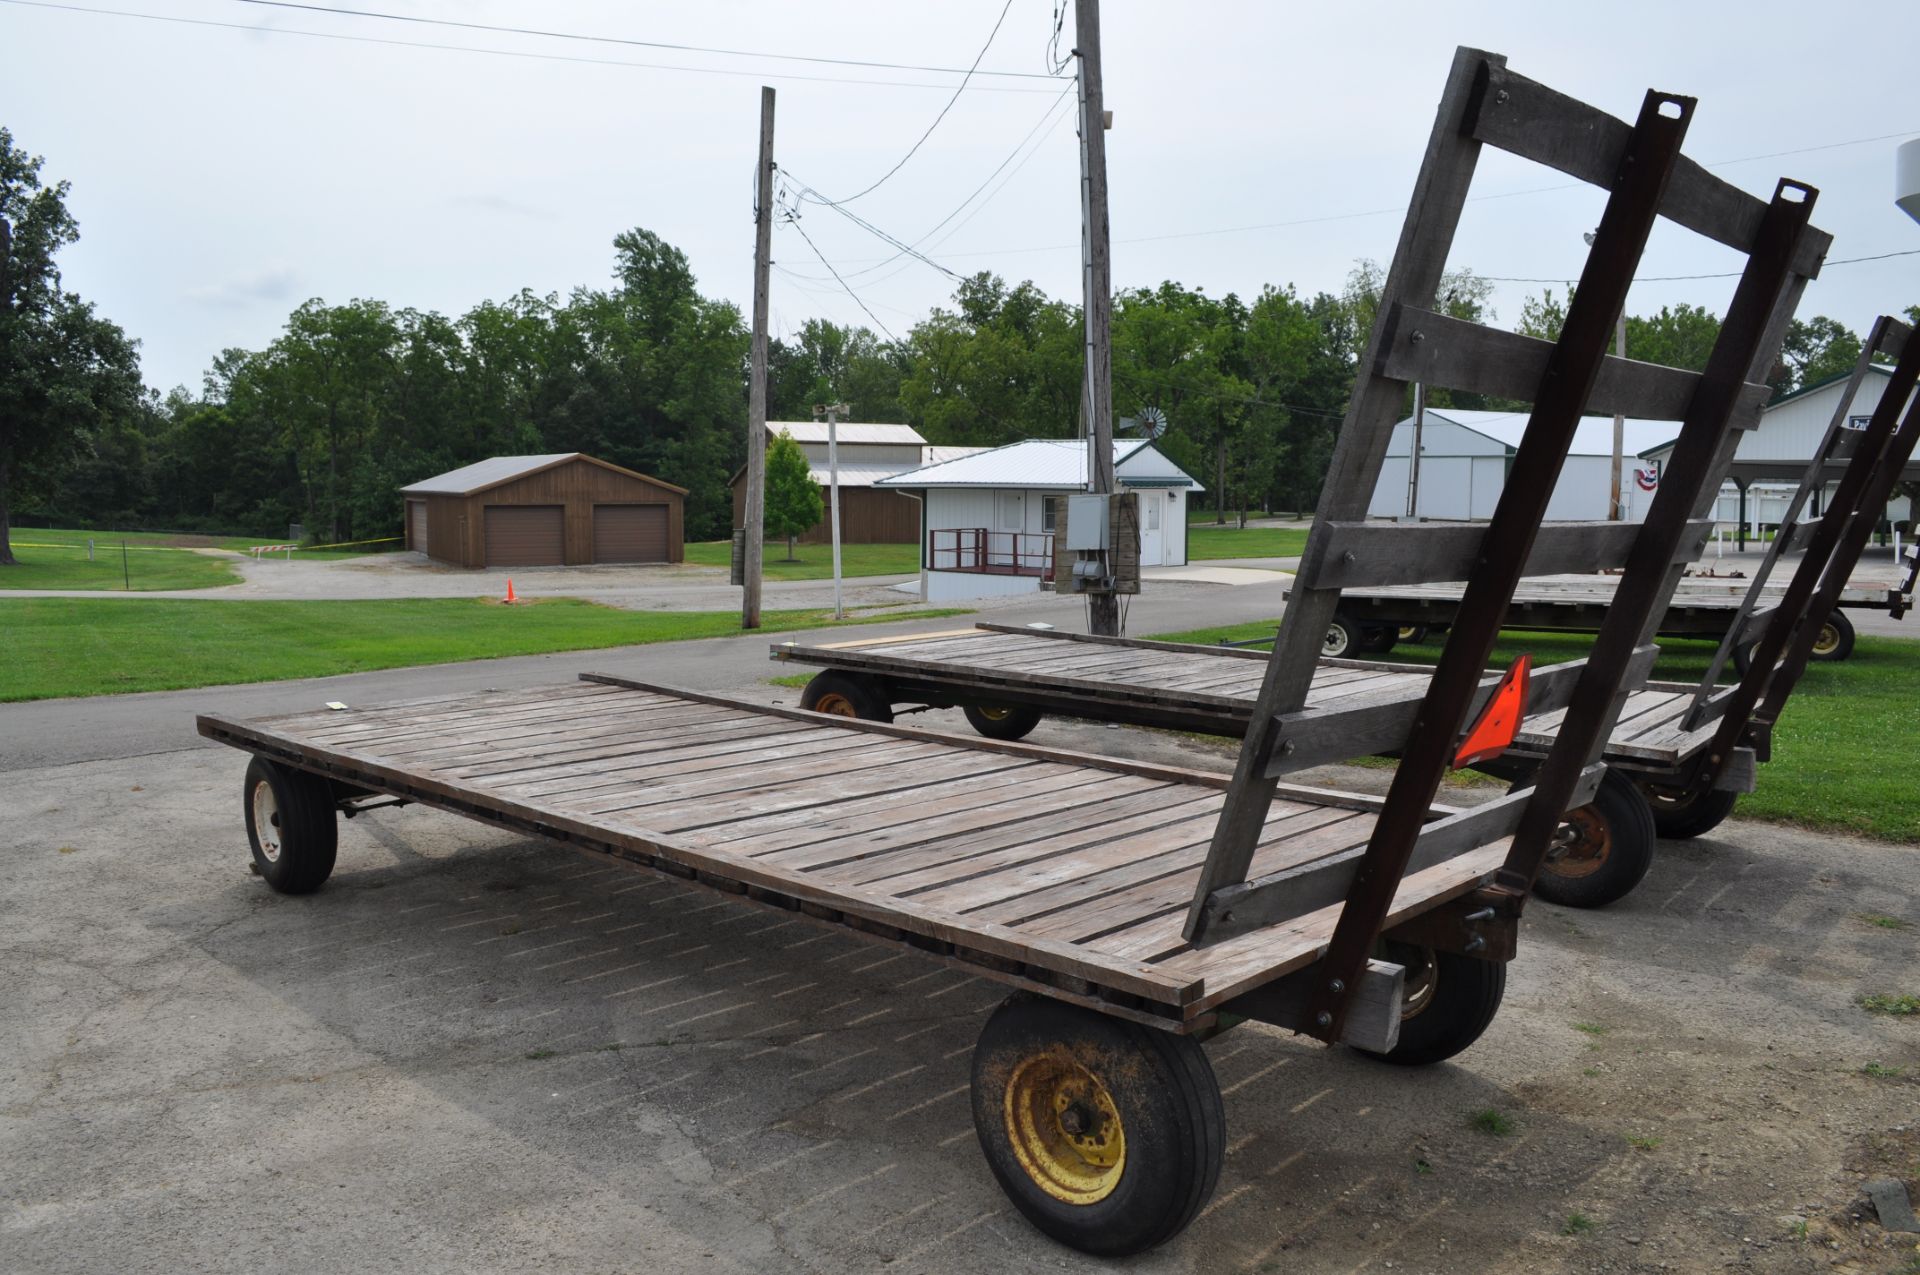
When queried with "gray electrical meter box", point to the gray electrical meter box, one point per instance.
{"points": [[1087, 523]]}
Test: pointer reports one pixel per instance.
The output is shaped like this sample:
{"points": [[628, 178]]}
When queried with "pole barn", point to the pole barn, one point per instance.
{"points": [[564, 509]]}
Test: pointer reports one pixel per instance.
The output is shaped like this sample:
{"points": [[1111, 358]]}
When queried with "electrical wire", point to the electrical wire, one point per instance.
{"points": [[799, 190], [528, 55], [795, 223], [621, 40], [915, 148], [1677, 278], [1051, 115]]}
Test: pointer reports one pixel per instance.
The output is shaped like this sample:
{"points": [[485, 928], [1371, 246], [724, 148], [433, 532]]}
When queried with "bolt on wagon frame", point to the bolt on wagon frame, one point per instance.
{"points": [[1136, 909]]}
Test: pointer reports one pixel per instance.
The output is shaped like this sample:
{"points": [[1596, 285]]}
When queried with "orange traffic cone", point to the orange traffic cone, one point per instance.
{"points": [[510, 598]]}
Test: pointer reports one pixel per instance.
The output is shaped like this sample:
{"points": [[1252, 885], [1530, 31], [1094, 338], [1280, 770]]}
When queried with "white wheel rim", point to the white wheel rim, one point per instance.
{"points": [[266, 822], [1335, 642]]}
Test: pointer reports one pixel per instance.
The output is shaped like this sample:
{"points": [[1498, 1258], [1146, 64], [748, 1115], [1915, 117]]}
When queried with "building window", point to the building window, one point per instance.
{"points": [[1049, 511], [1153, 511]]}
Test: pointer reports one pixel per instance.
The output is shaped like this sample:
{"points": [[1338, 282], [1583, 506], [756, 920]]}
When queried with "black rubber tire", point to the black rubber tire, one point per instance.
{"points": [[1164, 1091], [1742, 658], [1693, 815], [1344, 638], [1013, 721], [1465, 996], [1415, 633], [846, 695], [303, 825], [1622, 812], [1379, 638], [1838, 644]]}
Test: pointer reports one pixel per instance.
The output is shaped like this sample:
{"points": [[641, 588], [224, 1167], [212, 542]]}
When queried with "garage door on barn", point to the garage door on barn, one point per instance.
{"points": [[629, 533], [551, 509], [525, 535]]}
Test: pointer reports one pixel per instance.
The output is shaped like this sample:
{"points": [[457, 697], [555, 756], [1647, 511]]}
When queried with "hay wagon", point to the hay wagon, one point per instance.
{"points": [[1135, 910]]}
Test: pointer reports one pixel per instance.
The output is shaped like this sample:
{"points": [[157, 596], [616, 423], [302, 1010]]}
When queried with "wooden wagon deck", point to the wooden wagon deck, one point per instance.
{"points": [[1200, 688], [1035, 866]]}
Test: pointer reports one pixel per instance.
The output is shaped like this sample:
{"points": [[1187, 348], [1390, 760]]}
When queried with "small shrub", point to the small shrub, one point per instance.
{"points": [[1577, 1224], [1898, 1005]]}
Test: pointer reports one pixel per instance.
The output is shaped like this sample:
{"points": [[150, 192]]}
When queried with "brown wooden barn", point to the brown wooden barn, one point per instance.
{"points": [[868, 452], [563, 509]]}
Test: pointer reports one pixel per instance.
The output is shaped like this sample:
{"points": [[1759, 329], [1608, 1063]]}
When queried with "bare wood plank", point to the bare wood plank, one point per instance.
{"points": [[753, 755], [1534, 122], [1437, 349], [1356, 555], [909, 873]]}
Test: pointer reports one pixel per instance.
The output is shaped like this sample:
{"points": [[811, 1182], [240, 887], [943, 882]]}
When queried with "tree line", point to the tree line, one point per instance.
{"points": [[352, 401]]}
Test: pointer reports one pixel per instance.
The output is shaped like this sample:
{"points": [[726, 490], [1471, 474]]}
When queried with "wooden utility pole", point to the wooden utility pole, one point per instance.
{"points": [[1097, 301], [756, 503]]}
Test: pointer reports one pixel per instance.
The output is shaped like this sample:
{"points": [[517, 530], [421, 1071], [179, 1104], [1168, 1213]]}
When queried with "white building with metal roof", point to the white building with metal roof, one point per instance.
{"points": [[986, 522], [1464, 457]]}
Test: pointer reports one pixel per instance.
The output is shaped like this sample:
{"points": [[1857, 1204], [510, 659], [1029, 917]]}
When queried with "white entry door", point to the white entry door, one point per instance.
{"points": [[1153, 540]]}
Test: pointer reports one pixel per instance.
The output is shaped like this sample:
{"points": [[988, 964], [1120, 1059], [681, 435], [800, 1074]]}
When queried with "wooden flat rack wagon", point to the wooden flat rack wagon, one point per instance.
{"points": [[1703, 607], [1137, 909], [1666, 773]]}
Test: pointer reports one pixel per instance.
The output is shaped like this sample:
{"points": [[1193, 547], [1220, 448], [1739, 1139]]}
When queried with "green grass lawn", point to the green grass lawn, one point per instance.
{"points": [[1842, 748], [1206, 542], [59, 647], [815, 561], [58, 560]]}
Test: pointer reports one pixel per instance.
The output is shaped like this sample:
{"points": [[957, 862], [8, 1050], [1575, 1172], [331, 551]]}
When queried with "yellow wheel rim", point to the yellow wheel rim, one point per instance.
{"points": [[995, 714], [1582, 846], [1829, 640], [835, 703], [1064, 1129]]}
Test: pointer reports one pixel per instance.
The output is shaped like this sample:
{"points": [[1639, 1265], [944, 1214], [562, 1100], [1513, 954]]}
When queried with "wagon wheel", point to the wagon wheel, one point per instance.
{"points": [[1688, 812], [1449, 1000], [1107, 1135], [290, 826], [1835, 639], [1379, 637], [847, 695], [1002, 721], [1343, 638], [1602, 850]]}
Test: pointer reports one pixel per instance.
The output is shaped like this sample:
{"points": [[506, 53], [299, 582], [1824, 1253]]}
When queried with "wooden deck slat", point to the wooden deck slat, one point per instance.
{"points": [[905, 872], [715, 759], [559, 746], [627, 751], [1167, 895], [1079, 881], [742, 792], [980, 805]]}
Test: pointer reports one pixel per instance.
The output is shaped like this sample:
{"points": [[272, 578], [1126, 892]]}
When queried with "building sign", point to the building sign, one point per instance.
{"points": [[1858, 422]]}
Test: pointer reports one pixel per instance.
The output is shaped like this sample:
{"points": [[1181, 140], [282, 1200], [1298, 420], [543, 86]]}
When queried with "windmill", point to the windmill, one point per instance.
{"points": [[1149, 425]]}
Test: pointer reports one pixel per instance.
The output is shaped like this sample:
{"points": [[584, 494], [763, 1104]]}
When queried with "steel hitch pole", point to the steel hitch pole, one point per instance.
{"points": [[1638, 188]]}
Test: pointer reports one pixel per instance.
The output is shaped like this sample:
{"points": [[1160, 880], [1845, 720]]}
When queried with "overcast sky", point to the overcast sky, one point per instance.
{"points": [[222, 174]]}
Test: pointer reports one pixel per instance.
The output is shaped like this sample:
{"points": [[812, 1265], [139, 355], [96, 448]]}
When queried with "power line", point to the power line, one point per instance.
{"points": [[1049, 115], [795, 223], [1725, 274], [800, 190], [915, 148], [621, 40], [1235, 398], [1397, 211], [528, 55]]}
